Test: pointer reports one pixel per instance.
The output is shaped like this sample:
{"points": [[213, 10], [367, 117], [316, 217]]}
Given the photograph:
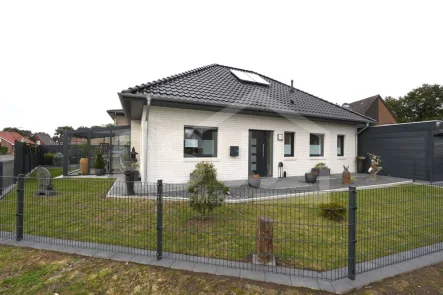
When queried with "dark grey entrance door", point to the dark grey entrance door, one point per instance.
{"points": [[258, 153]]}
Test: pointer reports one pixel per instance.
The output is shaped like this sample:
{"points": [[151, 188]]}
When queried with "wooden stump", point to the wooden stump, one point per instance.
{"points": [[265, 240]]}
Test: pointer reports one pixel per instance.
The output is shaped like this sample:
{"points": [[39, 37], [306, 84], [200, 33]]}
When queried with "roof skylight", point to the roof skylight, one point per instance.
{"points": [[249, 77]]}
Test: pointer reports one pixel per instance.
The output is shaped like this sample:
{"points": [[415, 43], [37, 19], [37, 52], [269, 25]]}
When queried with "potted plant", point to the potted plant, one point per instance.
{"points": [[84, 162], [311, 177], [360, 164], [254, 180], [99, 165], [322, 169]]}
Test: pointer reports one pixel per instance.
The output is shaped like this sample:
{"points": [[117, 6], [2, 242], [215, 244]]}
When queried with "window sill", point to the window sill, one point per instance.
{"points": [[341, 158], [289, 159], [200, 159], [317, 158]]}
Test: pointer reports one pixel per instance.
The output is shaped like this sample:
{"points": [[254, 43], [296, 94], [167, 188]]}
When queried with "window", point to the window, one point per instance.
{"points": [[316, 143], [340, 145], [200, 142], [289, 144]]}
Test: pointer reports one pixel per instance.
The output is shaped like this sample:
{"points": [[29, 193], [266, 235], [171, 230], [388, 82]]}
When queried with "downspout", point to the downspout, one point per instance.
{"points": [[145, 118], [356, 138]]}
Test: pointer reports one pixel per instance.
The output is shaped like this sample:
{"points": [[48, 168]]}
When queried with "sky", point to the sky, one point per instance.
{"points": [[63, 63]]}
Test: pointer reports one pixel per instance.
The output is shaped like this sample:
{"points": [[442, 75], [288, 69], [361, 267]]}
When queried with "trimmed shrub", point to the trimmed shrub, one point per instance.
{"points": [[99, 162], [334, 211], [3, 150], [205, 192], [48, 159]]}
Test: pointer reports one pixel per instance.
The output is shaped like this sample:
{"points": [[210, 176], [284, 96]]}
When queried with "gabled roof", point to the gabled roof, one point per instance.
{"points": [[361, 106], [216, 85], [11, 137], [45, 138]]}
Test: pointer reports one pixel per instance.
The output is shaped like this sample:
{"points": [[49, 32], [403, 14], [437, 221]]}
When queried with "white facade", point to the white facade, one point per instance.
{"points": [[165, 142]]}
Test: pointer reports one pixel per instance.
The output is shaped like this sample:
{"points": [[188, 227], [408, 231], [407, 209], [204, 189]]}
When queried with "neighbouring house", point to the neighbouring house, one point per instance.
{"points": [[42, 138], [118, 116], [408, 150], [373, 107], [241, 121], [7, 139]]}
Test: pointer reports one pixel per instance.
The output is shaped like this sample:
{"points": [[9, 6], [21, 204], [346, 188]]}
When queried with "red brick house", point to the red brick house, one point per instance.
{"points": [[7, 139], [373, 107]]}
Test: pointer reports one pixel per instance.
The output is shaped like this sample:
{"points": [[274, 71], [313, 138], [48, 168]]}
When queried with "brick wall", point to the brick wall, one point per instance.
{"points": [[166, 135], [384, 116]]}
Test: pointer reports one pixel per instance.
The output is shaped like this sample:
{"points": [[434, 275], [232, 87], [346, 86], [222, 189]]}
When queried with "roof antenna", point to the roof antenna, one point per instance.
{"points": [[292, 85]]}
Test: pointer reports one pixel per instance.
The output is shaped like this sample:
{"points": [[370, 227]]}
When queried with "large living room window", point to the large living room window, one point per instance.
{"points": [[200, 142], [316, 145], [340, 145], [289, 144]]}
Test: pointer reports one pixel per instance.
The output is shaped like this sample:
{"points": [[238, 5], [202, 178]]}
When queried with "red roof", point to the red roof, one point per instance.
{"points": [[13, 136]]}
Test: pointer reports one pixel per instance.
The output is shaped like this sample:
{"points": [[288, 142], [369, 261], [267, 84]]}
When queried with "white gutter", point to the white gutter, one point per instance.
{"points": [[356, 138]]}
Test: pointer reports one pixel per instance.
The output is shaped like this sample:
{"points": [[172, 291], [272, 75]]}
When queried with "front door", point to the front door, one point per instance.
{"points": [[257, 150]]}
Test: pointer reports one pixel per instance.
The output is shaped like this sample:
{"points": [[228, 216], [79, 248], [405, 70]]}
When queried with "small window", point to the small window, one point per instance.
{"points": [[289, 144], [340, 145], [200, 142], [316, 145]]}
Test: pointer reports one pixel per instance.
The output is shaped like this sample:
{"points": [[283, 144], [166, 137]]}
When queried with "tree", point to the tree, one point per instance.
{"points": [[421, 104], [58, 135]]}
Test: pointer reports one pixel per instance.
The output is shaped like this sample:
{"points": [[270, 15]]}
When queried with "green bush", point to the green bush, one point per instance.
{"points": [[48, 158], [3, 150], [99, 162], [205, 192], [334, 211]]}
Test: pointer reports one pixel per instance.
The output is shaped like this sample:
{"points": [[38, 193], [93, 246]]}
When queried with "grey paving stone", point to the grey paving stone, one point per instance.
{"points": [[419, 262], [325, 286], [104, 254], [252, 275], [374, 275], [304, 282], [142, 259], [163, 262], [50, 247], [70, 250], [359, 282], [184, 265], [11, 242], [433, 258], [278, 279], [40, 246], [205, 268], [26, 244], [342, 286], [122, 257], [86, 252], [227, 271], [405, 266]]}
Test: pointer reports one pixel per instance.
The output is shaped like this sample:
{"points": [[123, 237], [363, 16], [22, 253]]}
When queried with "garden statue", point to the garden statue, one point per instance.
{"points": [[346, 176], [375, 168], [45, 187]]}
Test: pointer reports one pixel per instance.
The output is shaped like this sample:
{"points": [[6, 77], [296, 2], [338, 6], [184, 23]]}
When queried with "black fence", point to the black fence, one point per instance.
{"points": [[326, 235], [29, 156]]}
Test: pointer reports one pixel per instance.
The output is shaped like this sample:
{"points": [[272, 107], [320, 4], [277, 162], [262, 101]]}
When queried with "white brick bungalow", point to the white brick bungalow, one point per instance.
{"points": [[241, 121]]}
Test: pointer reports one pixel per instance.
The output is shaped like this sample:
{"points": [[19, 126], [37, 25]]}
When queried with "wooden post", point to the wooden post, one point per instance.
{"points": [[265, 240]]}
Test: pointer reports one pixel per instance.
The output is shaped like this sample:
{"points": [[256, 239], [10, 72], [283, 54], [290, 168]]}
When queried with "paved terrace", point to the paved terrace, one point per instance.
{"points": [[240, 190]]}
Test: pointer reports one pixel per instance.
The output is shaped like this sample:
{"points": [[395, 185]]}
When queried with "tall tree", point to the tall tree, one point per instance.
{"points": [[58, 135], [421, 104]]}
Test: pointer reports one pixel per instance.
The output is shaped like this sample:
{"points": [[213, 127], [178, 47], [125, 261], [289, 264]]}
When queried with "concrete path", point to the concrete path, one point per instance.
{"points": [[203, 265]]}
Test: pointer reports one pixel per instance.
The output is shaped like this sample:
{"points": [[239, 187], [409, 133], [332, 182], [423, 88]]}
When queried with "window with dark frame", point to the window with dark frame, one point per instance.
{"points": [[289, 144], [316, 145], [200, 142], [340, 145]]}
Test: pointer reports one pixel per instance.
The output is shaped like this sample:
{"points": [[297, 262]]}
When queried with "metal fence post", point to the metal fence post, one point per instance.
{"points": [[413, 178], [159, 219], [20, 206], [352, 239]]}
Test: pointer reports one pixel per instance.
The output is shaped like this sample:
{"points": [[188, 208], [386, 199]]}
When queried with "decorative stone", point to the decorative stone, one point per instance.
{"points": [[265, 247], [346, 176], [58, 160], [45, 187]]}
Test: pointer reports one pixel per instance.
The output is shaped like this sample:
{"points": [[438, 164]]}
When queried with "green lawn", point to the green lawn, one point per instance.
{"points": [[389, 220]]}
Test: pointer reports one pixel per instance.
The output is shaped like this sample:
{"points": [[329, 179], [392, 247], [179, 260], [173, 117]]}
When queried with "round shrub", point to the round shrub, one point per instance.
{"points": [[99, 162], [334, 211], [205, 192]]}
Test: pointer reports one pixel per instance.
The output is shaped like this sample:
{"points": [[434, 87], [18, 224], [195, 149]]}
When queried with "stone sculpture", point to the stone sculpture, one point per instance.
{"points": [[45, 187]]}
